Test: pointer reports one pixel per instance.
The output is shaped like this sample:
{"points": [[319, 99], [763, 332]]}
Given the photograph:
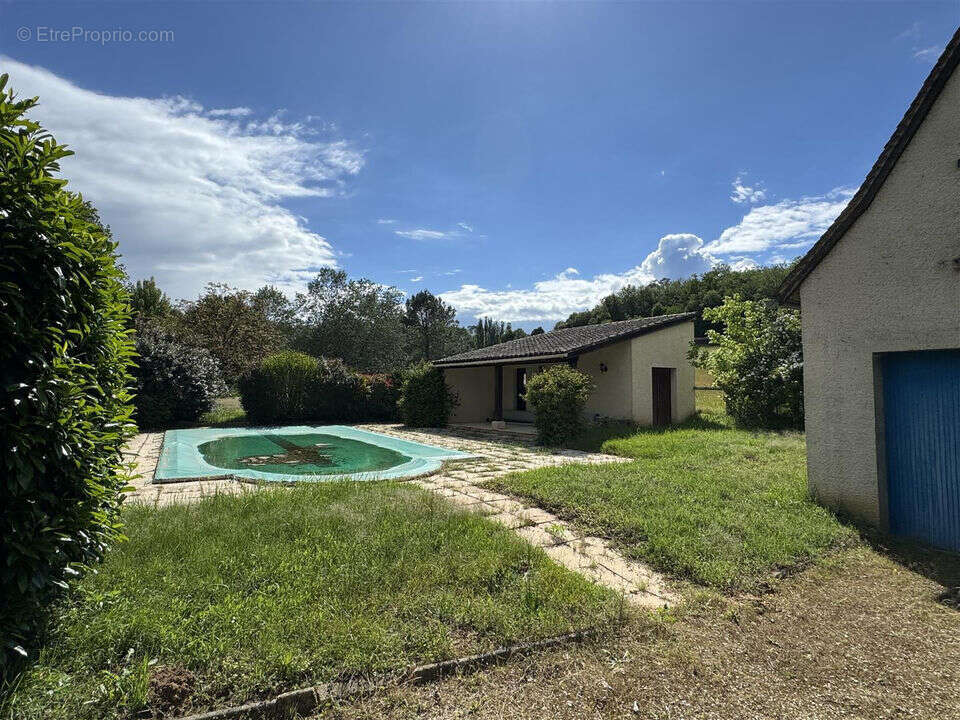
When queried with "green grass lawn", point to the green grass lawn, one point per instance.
{"points": [[704, 379], [711, 407], [703, 501], [282, 588]]}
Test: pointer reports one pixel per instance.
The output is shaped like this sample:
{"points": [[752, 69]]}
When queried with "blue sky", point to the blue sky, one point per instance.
{"points": [[522, 159]]}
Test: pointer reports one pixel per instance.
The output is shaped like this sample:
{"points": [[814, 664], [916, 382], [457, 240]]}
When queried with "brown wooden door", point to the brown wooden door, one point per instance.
{"points": [[662, 402]]}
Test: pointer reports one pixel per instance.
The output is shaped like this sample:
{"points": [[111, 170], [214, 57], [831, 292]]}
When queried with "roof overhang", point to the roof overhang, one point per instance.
{"points": [[517, 360], [569, 355], [789, 291]]}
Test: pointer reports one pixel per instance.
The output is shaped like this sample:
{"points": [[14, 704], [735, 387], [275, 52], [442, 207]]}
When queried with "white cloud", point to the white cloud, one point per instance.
{"points": [[551, 299], [744, 194], [765, 235], [912, 32], [788, 224], [423, 234], [928, 54], [193, 196], [461, 232], [385, 221], [417, 279], [742, 263], [230, 112], [676, 255]]}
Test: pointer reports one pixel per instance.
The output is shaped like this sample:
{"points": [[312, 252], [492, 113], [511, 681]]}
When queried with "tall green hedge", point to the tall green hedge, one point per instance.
{"points": [[292, 386], [64, 360], [279, 388], [381, 392]]}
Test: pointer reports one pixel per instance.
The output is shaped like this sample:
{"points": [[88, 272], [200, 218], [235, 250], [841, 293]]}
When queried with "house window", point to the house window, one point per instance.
{"points": [[521, 388]]}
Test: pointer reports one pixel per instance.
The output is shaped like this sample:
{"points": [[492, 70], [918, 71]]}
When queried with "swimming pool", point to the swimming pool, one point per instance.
{"points": [[295, 453]]}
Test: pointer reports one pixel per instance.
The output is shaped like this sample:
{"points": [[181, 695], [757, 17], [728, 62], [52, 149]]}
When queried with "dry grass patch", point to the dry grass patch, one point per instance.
{"points": [[858, 636]]}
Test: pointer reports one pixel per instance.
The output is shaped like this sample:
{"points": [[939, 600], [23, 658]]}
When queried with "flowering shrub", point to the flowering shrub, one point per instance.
{"points": [[758, 364], [174, 383]]}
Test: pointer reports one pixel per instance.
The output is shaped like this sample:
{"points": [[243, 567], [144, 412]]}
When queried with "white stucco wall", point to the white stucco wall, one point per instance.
{"points": [[475, 387], [624, 391], [889, 284], [666, 348], [612, 396]]}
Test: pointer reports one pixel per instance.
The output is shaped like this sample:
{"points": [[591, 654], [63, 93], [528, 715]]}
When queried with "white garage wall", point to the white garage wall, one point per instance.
{"points": [[665, 348], [889, 284]]}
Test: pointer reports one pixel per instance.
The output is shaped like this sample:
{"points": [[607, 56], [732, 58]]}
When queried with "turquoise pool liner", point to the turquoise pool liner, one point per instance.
{"points": [[181, 458]]}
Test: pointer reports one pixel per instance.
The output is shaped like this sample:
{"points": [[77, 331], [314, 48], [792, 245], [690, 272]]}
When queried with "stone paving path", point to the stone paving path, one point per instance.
{"points": [[459, 482], [144, 451]]}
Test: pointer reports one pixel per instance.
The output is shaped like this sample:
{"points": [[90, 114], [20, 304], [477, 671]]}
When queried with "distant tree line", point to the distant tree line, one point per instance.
{"points": [[491, 332], [370, 327], [693, 294], [373, 328]]}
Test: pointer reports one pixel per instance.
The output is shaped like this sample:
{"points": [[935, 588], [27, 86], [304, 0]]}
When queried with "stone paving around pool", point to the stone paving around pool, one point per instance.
{"points": [[459, 482]]}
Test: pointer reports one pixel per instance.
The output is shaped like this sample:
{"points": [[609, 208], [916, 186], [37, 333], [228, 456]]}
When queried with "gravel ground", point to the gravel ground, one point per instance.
{"points": [[862, 635]]}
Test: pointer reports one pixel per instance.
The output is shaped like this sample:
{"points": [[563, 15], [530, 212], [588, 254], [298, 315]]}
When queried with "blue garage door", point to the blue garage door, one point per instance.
{"points": [[921, 396]]}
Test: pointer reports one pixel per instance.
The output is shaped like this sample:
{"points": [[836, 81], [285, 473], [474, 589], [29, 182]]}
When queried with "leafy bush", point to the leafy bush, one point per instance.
{"points": [[425, 399], [758, 364], [558, 396], [381, 393], [64, 360], [174, 383], [337, 392], [294, 386]]}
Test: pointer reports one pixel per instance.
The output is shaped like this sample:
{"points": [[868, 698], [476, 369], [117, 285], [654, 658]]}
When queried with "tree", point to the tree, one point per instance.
{"points": [[434, 325], [758, 364], [279, 311], [693, 294], [537, 330], [148, 302], [228, 324], [492, 332], [357, 321], [274, 305]]}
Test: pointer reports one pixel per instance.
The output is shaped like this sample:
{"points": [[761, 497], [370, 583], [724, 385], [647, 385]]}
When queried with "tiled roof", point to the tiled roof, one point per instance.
{"points": [[789, 291], [565, 343]]}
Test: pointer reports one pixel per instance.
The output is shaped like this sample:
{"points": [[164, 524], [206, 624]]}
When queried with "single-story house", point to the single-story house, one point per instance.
{"points": [[880, 300], [639, 368]]}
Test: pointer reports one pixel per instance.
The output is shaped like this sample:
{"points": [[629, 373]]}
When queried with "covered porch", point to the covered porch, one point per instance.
{"points": [[491, 395], [522, 431]]}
